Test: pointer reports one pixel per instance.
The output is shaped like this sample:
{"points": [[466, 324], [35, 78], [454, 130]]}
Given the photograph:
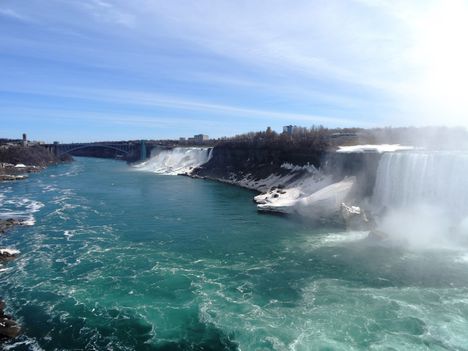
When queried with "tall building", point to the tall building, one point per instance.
{"points": [[290, 130], [25, 139], [201, 137]]}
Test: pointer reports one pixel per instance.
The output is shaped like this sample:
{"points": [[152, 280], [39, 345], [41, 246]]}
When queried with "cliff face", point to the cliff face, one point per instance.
{"points": [[234, 164], [363, 166], [305, 181], [258, 162]]}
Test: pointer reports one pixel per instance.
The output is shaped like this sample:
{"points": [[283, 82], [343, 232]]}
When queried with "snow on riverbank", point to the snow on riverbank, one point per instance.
{"points": [[321, 203], [313, 193]]}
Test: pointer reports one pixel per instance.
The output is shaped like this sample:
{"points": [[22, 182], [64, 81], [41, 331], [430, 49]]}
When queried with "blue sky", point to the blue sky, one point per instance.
{"points": [[79, 70]]}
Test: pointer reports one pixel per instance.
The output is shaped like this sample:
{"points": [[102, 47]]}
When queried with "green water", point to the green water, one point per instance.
{"points": [[120, 259]]}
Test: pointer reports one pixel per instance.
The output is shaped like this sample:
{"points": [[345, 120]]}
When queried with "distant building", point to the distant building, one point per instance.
{"points": [[25, 140], [182, 139], [200, 137], [290, 130]]}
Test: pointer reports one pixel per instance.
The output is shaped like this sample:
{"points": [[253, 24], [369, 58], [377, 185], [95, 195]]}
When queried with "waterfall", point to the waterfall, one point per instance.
{"points": [[434, 178], [180, 160]]}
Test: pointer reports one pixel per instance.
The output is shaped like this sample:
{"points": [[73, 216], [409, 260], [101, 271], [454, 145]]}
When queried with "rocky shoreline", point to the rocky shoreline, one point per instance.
{"points": [[9, 328], [16, 162], [12, 172]]}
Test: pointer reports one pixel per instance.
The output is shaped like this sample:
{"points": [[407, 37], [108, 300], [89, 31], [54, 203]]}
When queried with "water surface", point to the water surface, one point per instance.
{"points": [[121, 259]]}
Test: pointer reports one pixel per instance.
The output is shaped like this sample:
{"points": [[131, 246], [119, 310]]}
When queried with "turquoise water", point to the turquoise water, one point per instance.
{"points": [[120, 259]]}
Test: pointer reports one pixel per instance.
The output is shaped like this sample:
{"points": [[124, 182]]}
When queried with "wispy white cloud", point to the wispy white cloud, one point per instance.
{"points": [[8, 12], [327, 40], [145, 98], [107, 12], [334, 62]]}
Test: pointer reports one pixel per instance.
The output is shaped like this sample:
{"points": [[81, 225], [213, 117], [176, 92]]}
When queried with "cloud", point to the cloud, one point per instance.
{"points": [[333, 62], [145, 98], [8, 12]]}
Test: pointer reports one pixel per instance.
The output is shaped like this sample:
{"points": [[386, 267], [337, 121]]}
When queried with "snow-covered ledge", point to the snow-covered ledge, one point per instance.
{"points": [[378, 148]]}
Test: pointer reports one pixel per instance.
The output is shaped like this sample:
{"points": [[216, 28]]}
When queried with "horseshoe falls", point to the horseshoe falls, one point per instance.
{"points": [[125, 259], [438, 178], [424, 196]]}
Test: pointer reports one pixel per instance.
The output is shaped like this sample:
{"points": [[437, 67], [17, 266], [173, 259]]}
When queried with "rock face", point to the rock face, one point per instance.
{"points": [[16, 160], [228, 163], [36, 156], [8, 327], [361, 165]]}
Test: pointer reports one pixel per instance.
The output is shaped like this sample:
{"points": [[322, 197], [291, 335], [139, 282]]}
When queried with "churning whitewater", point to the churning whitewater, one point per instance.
{"points": [[179, 160]]}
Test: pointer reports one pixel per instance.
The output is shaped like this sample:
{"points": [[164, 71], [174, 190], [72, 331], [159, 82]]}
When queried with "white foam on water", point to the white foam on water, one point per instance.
{"points": [[30, 343], [69, 234], [8, 251]]}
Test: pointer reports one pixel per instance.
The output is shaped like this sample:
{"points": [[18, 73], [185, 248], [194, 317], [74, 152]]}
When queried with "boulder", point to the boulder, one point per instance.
{"points": [[9, 328], [8, 254], [354, 217], [6, 224]]}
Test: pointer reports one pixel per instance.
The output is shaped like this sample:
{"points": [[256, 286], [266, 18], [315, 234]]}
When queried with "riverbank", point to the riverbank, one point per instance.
{"points": [[16, 161]]}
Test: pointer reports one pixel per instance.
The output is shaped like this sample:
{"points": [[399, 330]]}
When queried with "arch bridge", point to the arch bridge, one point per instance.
{"points": [[132, 150]]}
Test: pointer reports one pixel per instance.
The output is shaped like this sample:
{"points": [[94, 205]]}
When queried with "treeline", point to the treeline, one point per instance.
{"points": [[321, 138], [315, 137]]}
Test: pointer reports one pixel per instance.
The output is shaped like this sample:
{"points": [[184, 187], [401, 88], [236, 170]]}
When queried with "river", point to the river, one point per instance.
{"points": [[121, 259]]}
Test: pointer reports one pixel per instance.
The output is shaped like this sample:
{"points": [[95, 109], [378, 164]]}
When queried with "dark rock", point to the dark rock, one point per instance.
{"points": [[10, 177], [9, 328], [355, 218], [6, 224], [6, 256]]}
